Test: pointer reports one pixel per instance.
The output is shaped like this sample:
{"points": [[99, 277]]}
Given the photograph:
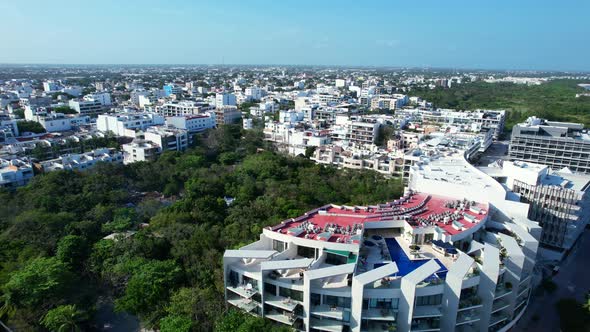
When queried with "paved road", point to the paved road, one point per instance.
{"points": [[498, 150], [573, 280]]}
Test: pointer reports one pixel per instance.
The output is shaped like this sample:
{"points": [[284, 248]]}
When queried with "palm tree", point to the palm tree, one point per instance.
{"points": [[64, 318]]}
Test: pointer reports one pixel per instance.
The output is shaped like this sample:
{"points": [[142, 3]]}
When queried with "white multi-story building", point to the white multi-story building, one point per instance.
{"points": [[192, 123], [362, 132], [140, 150], [75, 91], [152, 94], [253, 93], [325, 99], [82, 161], [555, 144], [126, 124], [168, 139], [485, 120], [91, 106], [455, 253], [184, 107], [389, 102], [50, 86], [225, 99], [103, 97], [559, 201], [227, 115], [8, 128], [15, 173], [290, 116], [247, 124]]}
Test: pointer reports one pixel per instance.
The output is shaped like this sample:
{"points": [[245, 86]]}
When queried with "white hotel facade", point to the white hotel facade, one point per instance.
{"points": [[455, 253]]}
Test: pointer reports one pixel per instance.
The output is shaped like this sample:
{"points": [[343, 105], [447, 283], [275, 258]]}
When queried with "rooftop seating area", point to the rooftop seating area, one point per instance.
{"points": [[344, 224]]}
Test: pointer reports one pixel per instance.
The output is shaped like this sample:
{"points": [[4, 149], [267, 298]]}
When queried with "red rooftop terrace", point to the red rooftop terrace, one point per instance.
{"points": [[344, 224]]}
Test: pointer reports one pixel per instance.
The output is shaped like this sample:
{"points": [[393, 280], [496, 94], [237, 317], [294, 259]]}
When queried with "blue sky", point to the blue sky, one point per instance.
{"points": [[517, 34]]}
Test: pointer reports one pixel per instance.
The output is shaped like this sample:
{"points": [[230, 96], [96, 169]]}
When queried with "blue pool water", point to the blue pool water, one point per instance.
{"points": [[405, 264]]}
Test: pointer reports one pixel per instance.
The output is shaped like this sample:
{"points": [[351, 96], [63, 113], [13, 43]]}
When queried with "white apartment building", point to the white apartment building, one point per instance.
{"points": [[15, 173], [247, 124], [126, 124], [340, 83], [184, 107], [453, 254], [54, 122], [290, 116], [227, 115], [75, 91], [486, 120], [362, 132], [389, 102], [559, 200], [50, 86], [325, 99], [9, 126], [167, 139], [103, 97], [192, 123], [91, 106], [152, 94], [253, 93], [225, 99], [82, 161], [140, 150]]}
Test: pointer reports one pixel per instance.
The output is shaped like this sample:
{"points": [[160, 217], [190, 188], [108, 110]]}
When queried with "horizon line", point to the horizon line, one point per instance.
{"points": [[297, 65]]}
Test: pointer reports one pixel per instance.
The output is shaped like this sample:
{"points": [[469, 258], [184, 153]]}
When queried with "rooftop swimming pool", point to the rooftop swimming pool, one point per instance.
{"points": [[405, 264]]}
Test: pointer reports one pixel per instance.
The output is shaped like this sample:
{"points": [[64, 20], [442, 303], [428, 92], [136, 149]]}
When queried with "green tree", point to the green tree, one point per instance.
{"points": [[19, 113], [72, 250], [30, 126], [175, 324], [149, 286], [42, 281], [64, 318], [65, 110]]}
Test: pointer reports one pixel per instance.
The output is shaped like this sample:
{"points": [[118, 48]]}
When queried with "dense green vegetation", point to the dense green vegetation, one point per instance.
{"points": [[19, 113], [65, 110], [555, 100], [30, 126], [55, 264]]}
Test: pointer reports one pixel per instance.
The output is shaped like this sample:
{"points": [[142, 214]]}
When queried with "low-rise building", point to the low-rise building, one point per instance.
{"points": [[15, 173], [227, 115], [90, 106], [126, 124], [184, 107], [140, 150], [81, 161], [192, 123], [167, 138]]}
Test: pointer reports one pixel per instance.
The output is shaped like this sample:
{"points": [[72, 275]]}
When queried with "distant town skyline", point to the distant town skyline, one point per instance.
{"points": [[502, 35]]}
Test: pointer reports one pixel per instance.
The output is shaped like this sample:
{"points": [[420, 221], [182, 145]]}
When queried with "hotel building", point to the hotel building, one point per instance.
{"points": [[455, 253], [555, 144]]}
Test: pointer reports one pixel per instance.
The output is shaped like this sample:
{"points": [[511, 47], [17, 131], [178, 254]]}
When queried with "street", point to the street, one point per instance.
{"points": [[572, 281]]}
